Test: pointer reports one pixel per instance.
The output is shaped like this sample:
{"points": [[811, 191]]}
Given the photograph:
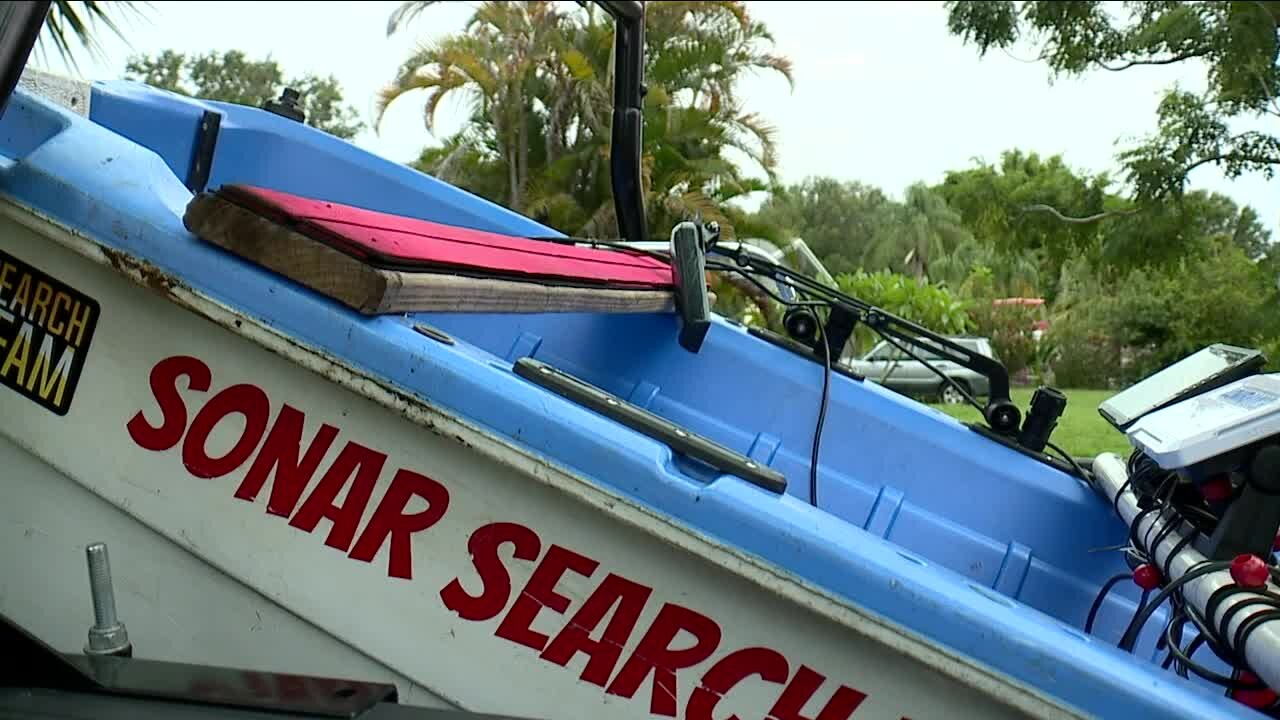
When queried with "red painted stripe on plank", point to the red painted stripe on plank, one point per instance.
{"points": [[417, 250], [410, 242]]}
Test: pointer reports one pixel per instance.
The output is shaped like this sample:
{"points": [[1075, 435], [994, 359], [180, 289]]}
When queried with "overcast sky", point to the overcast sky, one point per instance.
{"points": [[883, 94]]}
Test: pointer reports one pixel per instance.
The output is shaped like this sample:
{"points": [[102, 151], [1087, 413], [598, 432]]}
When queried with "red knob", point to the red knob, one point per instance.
{"points": [[1255, 698], [1146, 576], [1217, 489], [1249, 571]]}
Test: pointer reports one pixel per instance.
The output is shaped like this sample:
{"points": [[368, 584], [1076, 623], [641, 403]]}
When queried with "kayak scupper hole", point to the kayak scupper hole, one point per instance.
{"points": [[914, 559], [991, 595]]}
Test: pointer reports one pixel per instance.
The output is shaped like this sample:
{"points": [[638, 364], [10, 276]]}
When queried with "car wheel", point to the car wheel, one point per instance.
{"points": [[951, 396]]}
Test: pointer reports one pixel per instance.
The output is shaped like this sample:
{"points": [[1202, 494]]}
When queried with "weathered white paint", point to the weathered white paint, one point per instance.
{"points": [[402, 624], [68, 92], [175, 606]]}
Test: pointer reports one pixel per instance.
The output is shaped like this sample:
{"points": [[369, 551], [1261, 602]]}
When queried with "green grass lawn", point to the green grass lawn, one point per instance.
{"points": [[1081, 430]]}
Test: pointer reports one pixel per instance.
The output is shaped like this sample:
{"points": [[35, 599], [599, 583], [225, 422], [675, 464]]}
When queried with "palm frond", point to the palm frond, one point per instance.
{"points": [[405, 14], [78, 21]]}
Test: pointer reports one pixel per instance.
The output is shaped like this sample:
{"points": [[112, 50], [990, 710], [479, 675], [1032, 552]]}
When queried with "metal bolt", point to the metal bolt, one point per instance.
{"points": [[108, 635]]}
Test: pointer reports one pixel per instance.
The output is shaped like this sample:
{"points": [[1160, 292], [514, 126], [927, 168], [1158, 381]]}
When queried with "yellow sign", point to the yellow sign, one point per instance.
{"points": [[45, 330]]}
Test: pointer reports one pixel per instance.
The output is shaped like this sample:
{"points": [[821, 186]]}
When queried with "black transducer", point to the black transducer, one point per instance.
{"points": [[1047, 405], [800, 323]]}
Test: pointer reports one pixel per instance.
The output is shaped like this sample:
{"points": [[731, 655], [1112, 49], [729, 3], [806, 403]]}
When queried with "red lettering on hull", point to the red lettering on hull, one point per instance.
{"points": [[279, 451], [630, 598], [281, 460], [677, 639]]}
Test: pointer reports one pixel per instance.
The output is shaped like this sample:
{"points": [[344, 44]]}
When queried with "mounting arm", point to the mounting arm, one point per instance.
{"points": [[628, 117], [845, 311], [1001, 414]]}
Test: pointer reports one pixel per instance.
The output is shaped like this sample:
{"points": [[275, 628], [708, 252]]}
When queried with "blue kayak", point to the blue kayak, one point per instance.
{"points": [[935, 527]]}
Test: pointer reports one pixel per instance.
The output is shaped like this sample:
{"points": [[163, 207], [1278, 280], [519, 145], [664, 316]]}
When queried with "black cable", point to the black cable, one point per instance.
{"points": [[936, 371], [1248, 626], [750, 276], [1206, 636], [1175, 522], [1167, 569], [1202, 627], [1172, 641], [1171, 522], [822, 415], [1183, 657], [1102, 596], [826, 367], [1072, 461], [1115, 502], [610, 244], [1225, 593], [746, 270], [1144, 547], [1204, 514], [1265, 597], [1075, 466], [1133, 531], [1130, 637], [1142, 603]]}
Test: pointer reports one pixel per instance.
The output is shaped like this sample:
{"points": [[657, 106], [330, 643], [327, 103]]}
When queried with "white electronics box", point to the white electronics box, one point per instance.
{"points": [[1212, 424]]}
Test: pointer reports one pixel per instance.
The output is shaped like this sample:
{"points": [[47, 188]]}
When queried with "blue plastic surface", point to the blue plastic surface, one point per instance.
{"points": [[922, 521]]}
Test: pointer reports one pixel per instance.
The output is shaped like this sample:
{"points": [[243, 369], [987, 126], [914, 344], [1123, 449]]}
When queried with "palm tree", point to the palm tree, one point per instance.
{"points": [[1014, 273], [77, 21], [540, 86], [933, 230], [497, 60]]}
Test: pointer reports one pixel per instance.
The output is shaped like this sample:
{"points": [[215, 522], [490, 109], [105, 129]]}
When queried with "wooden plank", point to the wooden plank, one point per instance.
{"points": [[403, 243], [373, 291]]}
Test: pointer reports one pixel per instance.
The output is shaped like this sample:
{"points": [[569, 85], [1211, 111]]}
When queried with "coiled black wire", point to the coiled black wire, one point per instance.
{"points": [[1130, 637]]}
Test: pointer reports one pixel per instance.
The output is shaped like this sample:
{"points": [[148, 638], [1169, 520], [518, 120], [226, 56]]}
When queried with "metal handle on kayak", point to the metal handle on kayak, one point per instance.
{"points": [[689, 276], [677, 438]]}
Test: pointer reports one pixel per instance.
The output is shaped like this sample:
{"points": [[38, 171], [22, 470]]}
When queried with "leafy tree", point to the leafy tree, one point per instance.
{"points": [[1009, 323], [1156, 315], [233, 78], [1235, 41], [1040, 212], [538, 78], [1012, 274], [1170, 232], [929, 304], [1028, 206], [851, 226], [842, 222], [1217, 215]]}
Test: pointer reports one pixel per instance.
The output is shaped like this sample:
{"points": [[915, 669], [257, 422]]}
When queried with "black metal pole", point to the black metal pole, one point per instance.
{"points": [[628, 118]]}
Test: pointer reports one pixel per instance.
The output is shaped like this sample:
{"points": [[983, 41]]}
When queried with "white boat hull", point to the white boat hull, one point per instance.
{"points": [[402, 546]]}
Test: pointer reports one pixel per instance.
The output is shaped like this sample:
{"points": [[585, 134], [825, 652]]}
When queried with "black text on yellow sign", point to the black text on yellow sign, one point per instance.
{"points": [[45, 331]]}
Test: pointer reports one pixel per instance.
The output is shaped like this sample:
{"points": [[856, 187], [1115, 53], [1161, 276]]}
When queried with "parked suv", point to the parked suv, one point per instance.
{"points": [[887, 365]]}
